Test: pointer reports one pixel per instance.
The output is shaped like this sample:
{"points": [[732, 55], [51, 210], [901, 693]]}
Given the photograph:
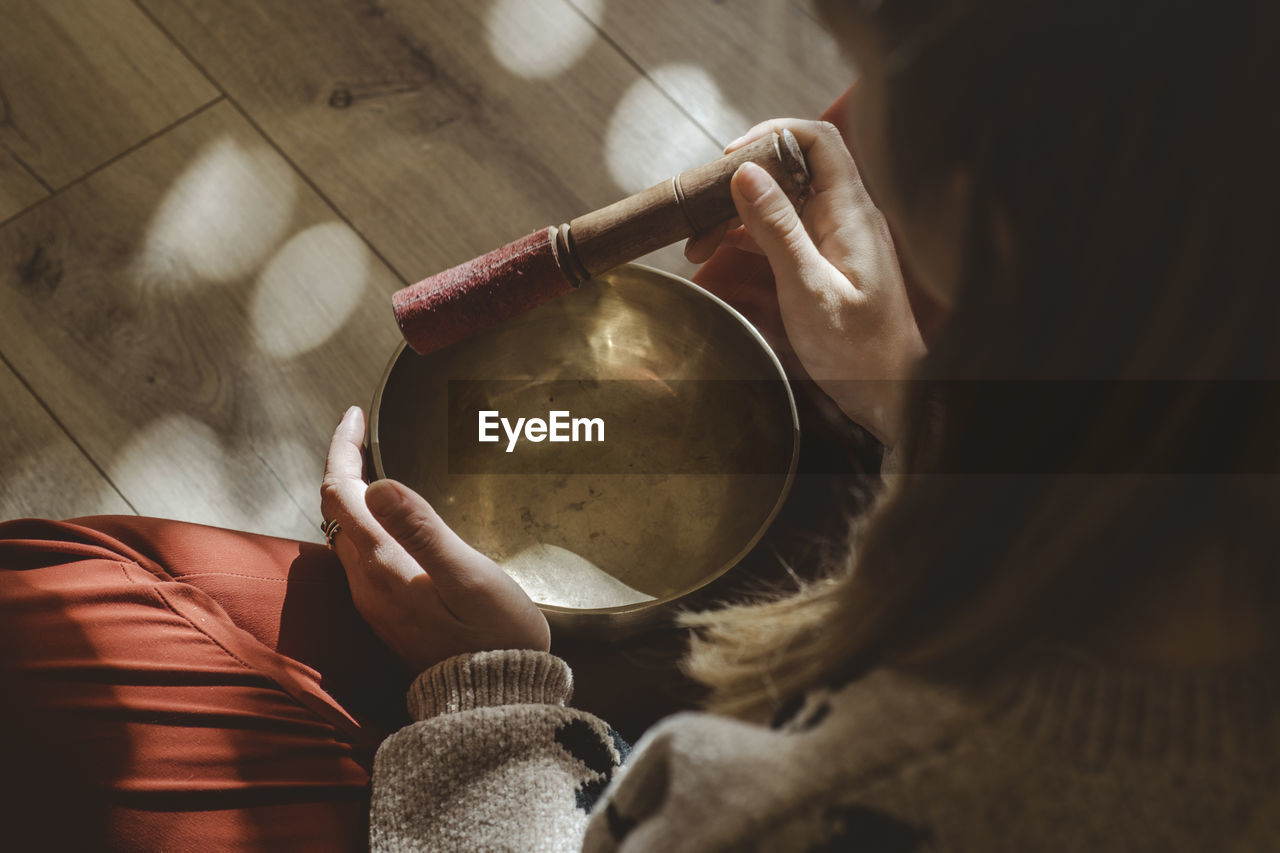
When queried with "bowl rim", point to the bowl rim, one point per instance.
{"points": [[375, 451]]}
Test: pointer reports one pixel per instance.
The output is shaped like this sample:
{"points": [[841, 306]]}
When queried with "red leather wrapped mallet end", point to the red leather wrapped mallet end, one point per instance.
{"points": [[471, 297], [459, 302]]}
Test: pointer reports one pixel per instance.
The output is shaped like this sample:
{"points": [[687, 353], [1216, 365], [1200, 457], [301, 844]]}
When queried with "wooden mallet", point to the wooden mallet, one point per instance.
{"points": [[471, 297]]}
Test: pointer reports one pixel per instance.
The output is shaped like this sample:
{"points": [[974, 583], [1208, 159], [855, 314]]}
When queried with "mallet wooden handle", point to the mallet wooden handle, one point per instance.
{"points": [[684, 206], [552, 262]]}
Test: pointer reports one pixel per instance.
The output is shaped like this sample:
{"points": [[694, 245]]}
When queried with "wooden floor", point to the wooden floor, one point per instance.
{"points": [[204, 207]]}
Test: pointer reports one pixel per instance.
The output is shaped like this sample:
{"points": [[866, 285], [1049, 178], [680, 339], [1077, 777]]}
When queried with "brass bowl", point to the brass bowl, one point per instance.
{"points": [[700, 445]]}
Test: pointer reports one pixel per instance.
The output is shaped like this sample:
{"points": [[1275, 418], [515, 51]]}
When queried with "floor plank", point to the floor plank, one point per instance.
{"points": [[729, 64], [42, 473], [84, 81], [18, 190], [443, 129], [199, 319]]}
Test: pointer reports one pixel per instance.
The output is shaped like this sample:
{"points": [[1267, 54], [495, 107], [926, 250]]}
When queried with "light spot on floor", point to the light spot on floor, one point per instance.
{"points": [[699, 93], [539, 40], [222, 216], [309, 289], [178, 466], [649, 138]]}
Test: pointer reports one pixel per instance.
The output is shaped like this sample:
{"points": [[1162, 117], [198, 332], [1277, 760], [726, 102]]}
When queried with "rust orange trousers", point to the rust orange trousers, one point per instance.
{"points": [[170, 686]]}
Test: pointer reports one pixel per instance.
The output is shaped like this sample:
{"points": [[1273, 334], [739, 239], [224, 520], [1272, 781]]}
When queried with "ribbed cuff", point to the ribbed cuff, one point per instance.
{"points": [[485, 679]]}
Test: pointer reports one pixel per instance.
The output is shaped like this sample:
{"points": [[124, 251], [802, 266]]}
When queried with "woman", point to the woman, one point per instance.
{"points": [[1055, 631], [1059, 630]]}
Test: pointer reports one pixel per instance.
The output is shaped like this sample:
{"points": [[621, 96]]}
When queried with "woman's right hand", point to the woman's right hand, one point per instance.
{"points": [[840, 290]]}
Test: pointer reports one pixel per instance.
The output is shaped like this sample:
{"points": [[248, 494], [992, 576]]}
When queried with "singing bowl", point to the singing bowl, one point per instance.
{"points": [[700, 432]]}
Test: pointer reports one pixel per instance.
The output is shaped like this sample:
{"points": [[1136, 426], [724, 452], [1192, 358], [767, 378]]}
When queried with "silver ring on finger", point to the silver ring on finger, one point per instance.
{"points": [[330, 529]]}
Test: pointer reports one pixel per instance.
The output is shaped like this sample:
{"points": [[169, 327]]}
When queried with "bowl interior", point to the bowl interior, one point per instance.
{"points": [[699, 441]]}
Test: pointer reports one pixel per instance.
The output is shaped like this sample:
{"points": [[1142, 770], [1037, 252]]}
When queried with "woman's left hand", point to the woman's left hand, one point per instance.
{"points": [[424, 591]]}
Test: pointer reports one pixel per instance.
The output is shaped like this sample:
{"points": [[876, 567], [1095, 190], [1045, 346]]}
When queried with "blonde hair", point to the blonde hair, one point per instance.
{"points": [[755, 656]]}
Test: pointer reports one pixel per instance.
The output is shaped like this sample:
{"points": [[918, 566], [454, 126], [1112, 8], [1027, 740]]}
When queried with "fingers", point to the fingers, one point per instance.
{"points": [[773, 224], [361, 543], [473, 589], [761, 129], [807, 132], [700, 247], [456, 568], [832, 171], [382, 521], [831, 166], [730, 233], [740, 239], [343, 486], [346, 450], [423, 590]]}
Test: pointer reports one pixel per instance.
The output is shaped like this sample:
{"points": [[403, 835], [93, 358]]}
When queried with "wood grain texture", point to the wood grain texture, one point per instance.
{"points": [[730, 63], [42, 473], [438, 128], [84, 81], [199, 320], [18, 190]]}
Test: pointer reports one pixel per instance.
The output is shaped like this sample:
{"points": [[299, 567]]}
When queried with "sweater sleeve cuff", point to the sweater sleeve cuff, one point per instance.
{"points": [[484, 679]]}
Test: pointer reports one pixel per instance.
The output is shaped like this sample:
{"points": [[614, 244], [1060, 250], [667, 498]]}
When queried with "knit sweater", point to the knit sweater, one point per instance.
{"points": [[1064, 754]]}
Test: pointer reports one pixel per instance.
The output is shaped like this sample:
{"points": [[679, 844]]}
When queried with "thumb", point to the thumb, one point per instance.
{"points": [[771, 220], [454, 566]]}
